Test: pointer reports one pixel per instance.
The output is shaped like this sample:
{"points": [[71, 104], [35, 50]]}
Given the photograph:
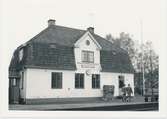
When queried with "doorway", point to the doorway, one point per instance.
{"points": [[121, 83], [14, 92]]}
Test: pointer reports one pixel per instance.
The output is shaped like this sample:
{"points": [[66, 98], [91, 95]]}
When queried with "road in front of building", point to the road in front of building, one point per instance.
{"points": [[137, 104]]}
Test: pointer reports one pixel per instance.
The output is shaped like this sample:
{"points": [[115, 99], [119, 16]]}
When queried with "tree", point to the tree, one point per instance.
{"points": [[139, 53], [109, 38], [125, 42], [150, 65]]}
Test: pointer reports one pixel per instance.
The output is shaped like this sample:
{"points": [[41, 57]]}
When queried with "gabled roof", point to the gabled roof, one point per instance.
{"points": [[53, 48], [91, 37]]}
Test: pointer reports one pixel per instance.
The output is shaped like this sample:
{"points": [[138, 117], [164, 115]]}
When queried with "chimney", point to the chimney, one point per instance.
{"points": [[51, 22], [90, 29]]}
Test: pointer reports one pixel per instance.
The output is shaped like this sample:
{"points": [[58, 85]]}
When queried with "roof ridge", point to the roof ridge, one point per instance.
{"points": [[103, 38], [47, 28], [69, 28]]}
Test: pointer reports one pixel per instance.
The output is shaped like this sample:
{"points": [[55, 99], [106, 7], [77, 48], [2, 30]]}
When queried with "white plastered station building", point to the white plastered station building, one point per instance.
{"points": [[67, 63]]}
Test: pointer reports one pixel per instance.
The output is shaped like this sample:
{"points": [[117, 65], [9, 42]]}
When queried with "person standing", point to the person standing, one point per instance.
{"points": [[129, 92], [124, 94]]}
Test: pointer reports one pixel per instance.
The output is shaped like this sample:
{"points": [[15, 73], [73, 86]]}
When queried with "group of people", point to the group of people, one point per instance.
{"points": [[126, 93]]}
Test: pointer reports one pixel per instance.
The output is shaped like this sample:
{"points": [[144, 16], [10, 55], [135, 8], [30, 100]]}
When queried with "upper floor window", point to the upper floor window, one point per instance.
{"points": [[88, 56], [20, 54], [87, 42]]}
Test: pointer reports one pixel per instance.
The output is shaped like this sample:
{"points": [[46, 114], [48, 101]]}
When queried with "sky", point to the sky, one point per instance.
{"points": [[23, 19], [20, 20]]}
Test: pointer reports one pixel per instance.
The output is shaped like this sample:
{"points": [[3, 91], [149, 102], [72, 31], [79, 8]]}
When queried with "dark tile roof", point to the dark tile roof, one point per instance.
{"points": [[115, 62], [53, 48], [52, 56]]}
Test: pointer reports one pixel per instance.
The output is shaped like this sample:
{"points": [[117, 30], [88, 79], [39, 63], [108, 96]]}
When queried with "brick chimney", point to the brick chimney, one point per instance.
{"points": [[90, 29], [51, 22]]}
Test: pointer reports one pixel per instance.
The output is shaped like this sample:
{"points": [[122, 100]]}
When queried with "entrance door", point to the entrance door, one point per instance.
{"points": [[121, 83], [14, 92]]}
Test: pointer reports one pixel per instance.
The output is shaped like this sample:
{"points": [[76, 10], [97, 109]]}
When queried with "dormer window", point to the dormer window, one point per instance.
{"points": [[20, 54], [88, 56]]}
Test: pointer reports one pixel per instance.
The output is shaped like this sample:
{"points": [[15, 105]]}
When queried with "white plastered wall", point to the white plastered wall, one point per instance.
{"points": [[39, 84]]}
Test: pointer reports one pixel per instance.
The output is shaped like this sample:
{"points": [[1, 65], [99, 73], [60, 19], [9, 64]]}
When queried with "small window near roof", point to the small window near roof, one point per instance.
{"points": [[21, 54], [14, 82], [87, 42]]}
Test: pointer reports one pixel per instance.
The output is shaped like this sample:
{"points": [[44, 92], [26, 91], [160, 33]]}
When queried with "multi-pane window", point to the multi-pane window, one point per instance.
{"points": [[88, 56], [79, 80], [95, 81], [56, 80]]}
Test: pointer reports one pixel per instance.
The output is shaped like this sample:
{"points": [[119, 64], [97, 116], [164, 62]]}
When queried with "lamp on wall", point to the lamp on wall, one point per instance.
{"points": [[88, 72]]}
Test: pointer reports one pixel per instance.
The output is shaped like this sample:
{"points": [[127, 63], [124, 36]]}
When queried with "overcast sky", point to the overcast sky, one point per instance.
{"points": [[23, 19]]}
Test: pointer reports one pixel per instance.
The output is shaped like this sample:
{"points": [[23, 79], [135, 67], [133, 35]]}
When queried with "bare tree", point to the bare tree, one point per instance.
{"points": [[138, 56]]}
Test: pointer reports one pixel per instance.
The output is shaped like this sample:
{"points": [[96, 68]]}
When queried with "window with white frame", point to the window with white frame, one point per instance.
{"points": [[14, 82], [79, 80], [56, 82], [21, 54], [95, 81], [88, 56]]}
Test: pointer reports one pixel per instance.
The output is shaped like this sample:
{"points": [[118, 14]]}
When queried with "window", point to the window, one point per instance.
{"points": [[14, 82], [87, 42], [95, 81], [56, 80], [79, 80], [88, 56], [22, 78], [20, 54], [121, 81]]}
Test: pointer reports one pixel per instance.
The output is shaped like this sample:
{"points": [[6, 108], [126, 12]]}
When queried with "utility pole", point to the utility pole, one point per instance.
{"points": [[142, 63]]}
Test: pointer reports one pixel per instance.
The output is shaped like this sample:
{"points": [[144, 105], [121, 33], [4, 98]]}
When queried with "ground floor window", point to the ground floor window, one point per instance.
{"points": [[79, 80], [95, 81], [56, 80]]}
